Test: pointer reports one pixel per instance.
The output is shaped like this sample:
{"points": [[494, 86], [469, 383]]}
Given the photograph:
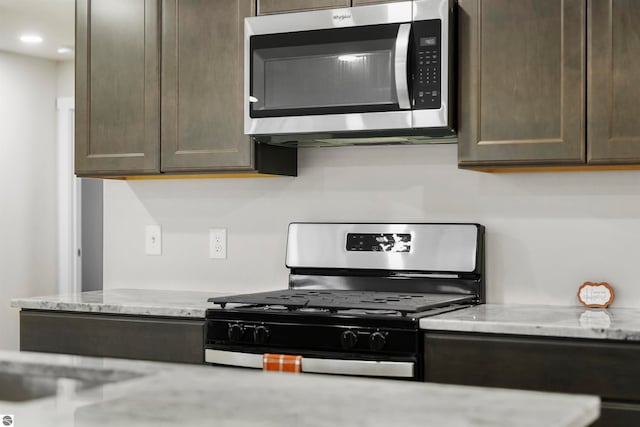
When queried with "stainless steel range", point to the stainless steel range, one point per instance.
{"points": [[355, 297]]}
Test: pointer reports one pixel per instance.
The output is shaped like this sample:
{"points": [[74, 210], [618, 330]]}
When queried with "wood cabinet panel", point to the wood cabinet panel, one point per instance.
{"points": [[202, 85], [613, 134], [279, 6], [571, 366], [605, 368], [105, 335], [522, 77], [117, 109]]}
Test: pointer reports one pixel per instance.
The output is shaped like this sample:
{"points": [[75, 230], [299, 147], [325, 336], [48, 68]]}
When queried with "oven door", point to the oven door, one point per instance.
{"points": [[320, 365], [328, 70]]}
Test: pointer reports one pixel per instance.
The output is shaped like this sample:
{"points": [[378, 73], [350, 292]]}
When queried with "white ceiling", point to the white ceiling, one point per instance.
{"points": [[53, 20]]}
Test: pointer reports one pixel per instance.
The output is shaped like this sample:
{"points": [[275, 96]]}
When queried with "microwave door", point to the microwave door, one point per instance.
{"points": [[331, 80]]}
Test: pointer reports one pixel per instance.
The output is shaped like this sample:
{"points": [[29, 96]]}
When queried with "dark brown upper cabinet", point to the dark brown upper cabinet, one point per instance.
{"points": [[202, 94], [521, 82], [159, 91], [613, 92], [279, 6], [117, 112], [548, 83]]}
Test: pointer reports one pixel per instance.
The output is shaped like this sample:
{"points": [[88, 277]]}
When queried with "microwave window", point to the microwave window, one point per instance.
{"points": [[324, 75]]}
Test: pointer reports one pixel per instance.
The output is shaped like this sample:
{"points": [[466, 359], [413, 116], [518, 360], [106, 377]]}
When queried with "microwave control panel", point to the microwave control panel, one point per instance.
{"points": [[427, 70]]}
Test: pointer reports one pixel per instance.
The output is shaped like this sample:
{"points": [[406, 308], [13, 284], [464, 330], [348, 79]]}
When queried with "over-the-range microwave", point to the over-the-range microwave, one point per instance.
{"points": [[368, 74]]}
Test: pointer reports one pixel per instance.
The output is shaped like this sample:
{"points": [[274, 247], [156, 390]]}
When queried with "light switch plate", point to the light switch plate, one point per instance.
{"points": [[218, 243], [153, 240]]}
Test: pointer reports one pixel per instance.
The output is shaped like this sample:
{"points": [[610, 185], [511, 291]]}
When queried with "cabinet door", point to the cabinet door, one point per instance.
{"points": [[117, 87], [202, 78], [279, 6], [606, 368], [613, 133], [521, 84], [600, 367]]}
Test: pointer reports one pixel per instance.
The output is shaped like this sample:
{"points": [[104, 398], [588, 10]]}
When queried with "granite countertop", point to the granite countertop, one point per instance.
{"points": [[125, 301], [542, 320], [187, 395]]}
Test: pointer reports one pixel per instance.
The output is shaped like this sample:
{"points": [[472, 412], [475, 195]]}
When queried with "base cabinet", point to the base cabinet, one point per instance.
{"points": [[605, 368], [104, 335]]}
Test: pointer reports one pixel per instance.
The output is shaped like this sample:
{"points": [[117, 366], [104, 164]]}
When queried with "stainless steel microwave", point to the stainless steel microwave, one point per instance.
{"points": [[368, 74]]}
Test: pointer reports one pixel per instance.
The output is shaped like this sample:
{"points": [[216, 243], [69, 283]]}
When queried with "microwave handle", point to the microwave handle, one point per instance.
{"points": [[400, 71]]}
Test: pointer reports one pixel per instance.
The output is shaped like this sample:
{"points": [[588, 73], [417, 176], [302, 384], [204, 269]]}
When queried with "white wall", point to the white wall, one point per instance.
{"points": [[66, 83], [547, 233], [27, 185]]}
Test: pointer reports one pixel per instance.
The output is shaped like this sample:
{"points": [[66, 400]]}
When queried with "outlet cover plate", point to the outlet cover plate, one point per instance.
{"points": [[218, 243], [153, 240]]}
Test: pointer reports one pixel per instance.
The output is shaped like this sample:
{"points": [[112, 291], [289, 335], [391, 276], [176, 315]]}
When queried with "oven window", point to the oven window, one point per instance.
{"points": [[324, 71]]}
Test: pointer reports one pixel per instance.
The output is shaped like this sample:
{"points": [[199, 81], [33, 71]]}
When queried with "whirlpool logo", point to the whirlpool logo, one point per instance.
{"points": [[7, 420], [341, 17]]}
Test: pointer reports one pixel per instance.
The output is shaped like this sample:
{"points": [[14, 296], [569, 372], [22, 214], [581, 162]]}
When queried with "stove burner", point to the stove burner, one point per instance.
{"points": [[333, 300]]}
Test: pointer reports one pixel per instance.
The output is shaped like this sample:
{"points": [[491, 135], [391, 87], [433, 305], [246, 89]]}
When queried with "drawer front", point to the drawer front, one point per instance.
{"points": [[104, 335], [608, 369]]}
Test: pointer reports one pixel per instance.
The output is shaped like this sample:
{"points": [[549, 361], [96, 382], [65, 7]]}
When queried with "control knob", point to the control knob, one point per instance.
{"points": [[260, 334], [348, 339], [377, 341], [235, 332]]}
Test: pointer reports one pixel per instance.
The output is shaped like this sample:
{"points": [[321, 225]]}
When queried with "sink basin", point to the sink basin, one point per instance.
{"points": [[21, 387], [23, 382]]}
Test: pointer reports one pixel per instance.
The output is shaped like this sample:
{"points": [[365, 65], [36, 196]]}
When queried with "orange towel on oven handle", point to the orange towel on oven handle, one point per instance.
{"points": [[281, 363]]}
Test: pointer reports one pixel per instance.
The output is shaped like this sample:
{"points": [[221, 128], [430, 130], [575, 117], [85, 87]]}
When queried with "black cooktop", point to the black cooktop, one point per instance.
{"points": [[340, 300]]}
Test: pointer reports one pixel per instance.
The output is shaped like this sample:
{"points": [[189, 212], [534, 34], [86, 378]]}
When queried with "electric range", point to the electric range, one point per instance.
{"points": [[355, 296]]}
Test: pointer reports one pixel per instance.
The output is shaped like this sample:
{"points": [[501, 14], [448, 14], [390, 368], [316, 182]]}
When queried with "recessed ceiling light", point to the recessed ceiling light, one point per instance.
{"points": [[63, 50], [30, 38]]}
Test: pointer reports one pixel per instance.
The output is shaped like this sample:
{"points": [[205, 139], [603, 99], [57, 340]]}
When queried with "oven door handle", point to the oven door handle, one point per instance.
{"points": [[400, 70], [369, 368]]}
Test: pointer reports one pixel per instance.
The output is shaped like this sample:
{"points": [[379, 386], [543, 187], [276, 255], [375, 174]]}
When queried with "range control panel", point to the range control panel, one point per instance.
{"points": [[427, 78]]}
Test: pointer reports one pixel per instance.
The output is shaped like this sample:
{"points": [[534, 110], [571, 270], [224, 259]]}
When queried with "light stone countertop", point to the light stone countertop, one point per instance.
{"points": [[188, 395], [541, 320], [144, 302]]}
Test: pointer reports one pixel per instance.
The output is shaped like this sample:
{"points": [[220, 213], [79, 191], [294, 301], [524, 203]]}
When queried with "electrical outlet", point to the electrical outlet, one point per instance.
{"points": [[153, 240], [218, 243]]}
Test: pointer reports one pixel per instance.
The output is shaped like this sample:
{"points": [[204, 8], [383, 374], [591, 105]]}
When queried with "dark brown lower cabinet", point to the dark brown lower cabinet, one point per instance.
{"points": [[163, 339], [609, 369]]}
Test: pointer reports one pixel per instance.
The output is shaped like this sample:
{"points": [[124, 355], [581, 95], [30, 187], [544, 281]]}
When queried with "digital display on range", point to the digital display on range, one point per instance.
{"points": [[378, 242]]}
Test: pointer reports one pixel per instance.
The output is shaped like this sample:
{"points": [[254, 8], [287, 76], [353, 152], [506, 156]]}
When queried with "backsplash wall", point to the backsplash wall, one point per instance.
{"points": [[547, 233]]}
